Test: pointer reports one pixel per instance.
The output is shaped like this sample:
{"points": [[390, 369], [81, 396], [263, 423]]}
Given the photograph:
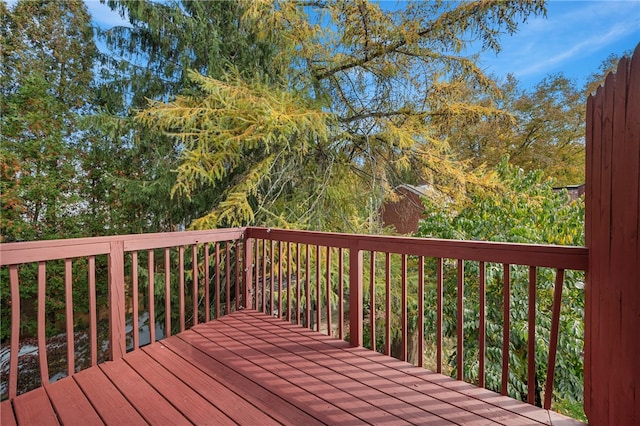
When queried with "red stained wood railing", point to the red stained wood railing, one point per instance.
{"points": [[42, 342], [506, 329], [460, 322], [404, 254], [135, 304], [275, 256], [482, 325], [167, 291], [531, 338], [439, 295], [372, 298], [123, 300]]}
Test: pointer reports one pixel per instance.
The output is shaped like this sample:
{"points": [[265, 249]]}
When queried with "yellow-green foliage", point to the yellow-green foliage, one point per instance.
{"points": [[236, 126], [363, 104]]}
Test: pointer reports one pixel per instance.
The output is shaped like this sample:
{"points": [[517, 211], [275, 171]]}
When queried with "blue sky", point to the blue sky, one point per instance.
{"points": [[574, 38]]}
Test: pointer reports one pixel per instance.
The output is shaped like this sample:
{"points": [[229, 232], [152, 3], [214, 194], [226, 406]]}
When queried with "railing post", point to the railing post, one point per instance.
{"points": [[116, 300], [248, 273], [355, 295]]}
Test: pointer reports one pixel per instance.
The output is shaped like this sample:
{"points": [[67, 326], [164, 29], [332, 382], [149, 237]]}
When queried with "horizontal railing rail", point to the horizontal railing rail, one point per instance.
{"points": [[306, 277], [73, 270]]}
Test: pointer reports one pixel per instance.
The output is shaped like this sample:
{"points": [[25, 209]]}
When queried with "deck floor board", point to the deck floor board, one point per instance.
{"points": [[70, 404], [248, 369]]}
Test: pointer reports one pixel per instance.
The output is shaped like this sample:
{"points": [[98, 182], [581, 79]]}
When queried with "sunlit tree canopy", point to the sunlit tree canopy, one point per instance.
{"points": [[362, 103]]}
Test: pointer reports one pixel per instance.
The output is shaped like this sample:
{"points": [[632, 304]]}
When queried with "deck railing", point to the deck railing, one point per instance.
{"points": [[373, 288], [99, 280], [377, 291]]}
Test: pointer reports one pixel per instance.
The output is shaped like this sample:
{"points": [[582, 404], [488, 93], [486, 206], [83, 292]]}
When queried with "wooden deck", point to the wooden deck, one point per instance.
{"points": [[251, 369]]}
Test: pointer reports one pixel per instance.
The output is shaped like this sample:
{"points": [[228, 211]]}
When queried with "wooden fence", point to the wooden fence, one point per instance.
{"points": [[612, 305]]}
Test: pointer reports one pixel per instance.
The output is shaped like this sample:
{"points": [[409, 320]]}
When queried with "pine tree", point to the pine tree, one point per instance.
{"points": [[381, 84]]}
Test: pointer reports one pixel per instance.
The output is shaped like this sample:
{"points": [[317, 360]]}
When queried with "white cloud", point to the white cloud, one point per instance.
{"points": [[582, 48], [574, 38]]}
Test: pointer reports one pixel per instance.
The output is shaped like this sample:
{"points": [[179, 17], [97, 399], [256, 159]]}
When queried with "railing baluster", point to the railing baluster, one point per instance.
{"points": [[553, 340], [271, 281], [482, 326], [264, 276], [307, 285], [460, 322], [439, 290], [420, 319], [506, 327], [237, 269], [256, 283], [531, 339], [134, 297], [403, 308], [227, 265], [93, 317], [181, 285], [340, 294], [15, 330], [152, 298], [207, 294], [280, 315], [288, 281], [217, 279], [372, 299], [247, 274], [355, 294], [298, 283], [167, 292], [318, 298], [68, 291], [42, 337], [194, 268], [328, 287], [387, 314], [117, 336]]}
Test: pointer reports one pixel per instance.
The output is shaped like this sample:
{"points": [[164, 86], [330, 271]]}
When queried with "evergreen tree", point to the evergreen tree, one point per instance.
{"points": [[150, 59], [48, 53], [361, 105]]}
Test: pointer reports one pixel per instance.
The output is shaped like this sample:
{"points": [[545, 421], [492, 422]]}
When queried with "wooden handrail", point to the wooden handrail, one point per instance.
{"points": [[552, 256]]}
